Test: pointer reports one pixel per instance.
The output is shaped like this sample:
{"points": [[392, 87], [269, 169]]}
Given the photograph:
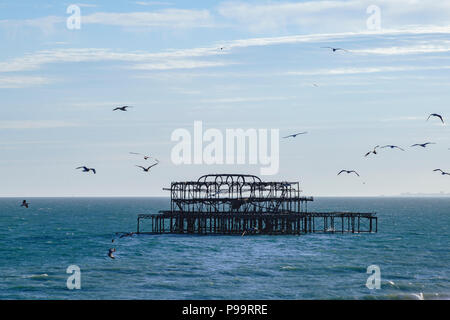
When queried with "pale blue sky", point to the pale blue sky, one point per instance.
{"points": [[58, 87]]}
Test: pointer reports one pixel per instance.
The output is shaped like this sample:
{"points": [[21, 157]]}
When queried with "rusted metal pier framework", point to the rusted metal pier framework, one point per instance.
{"points": [[238, 204]]}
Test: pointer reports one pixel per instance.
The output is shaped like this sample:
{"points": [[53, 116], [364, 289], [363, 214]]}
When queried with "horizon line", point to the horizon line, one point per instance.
{"points": [[412, 195]]}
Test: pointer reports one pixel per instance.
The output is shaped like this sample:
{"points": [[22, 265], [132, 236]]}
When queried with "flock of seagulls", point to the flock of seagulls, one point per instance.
{"points": [[391, 146], [373, 151], [146, 157], [94, 171]]}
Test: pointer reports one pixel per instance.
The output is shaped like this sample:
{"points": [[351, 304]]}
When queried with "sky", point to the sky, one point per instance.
{"points": [[59, 84]]}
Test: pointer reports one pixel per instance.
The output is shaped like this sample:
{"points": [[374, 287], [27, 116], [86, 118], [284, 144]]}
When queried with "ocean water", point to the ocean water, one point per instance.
{"points": [[38, 244]]}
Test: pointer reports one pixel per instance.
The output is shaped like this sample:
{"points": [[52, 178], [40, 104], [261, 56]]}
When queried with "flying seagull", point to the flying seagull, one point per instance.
{"points": [[86, 169], [147, 169], [392, 147], [442, 172], [348, 171], [335, 49], [423, 145], [435, 115], [374, 151], [124, 108], [145, 156], [24, 204], [294, 135]]}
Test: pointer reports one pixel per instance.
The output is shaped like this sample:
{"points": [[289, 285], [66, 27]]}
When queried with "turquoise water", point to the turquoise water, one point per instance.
{"points": [[38, 244]]}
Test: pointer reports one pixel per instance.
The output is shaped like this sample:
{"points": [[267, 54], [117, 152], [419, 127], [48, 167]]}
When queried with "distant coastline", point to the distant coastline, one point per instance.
{"points": [[410, 194]]}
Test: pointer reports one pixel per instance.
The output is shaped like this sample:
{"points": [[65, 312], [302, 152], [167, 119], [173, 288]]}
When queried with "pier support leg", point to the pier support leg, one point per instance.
{"points": [[138, 220]]}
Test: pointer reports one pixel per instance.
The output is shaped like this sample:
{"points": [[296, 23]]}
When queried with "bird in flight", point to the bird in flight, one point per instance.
{"points": [[348, 171], [392, 147], [148, 168], [124, 108], [442, 172], [24, 204], [145, 156], [86, 169], [437, 116], [335, 49], [294, 135], [374, 151], [423, 145]]}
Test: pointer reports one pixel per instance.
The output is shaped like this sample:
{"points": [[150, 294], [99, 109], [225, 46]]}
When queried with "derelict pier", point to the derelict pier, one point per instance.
{"points": [[236, 204]]}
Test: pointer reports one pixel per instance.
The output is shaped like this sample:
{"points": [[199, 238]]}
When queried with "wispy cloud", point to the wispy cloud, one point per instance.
{"points": [[270, 17], [168, 18], [306, 17], [404, 118], [172, 18], [22, 81], [362, 70], [36, 60], [179, 64], [423, 48], [332, 15], [45, 24], [336, 36]]}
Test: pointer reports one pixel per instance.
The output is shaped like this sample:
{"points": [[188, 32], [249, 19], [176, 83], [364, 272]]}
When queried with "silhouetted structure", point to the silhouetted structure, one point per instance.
{"points": [[236, 203]]}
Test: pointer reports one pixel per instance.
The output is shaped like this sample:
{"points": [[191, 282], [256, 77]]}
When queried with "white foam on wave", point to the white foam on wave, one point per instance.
{"points": [[38, 276], [418, 296]]}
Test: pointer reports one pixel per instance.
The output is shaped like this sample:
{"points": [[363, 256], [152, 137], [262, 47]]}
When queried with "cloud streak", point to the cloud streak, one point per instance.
{"points": [[363, 70], [172, 18], [179, 64], [332, 15], [165, 59], [22, 81], [423, 48]]}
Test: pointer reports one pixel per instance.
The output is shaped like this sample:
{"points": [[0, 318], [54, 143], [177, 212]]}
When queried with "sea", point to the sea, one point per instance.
{"points": [[38, 244]]}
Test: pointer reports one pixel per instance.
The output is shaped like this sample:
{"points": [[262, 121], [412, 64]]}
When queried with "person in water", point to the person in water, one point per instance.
{"points": [[110, 253]]}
